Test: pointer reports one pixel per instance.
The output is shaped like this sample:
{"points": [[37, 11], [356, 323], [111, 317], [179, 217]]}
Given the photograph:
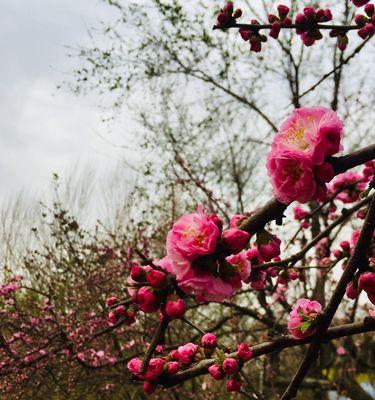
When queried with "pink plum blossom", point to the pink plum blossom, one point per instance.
{"points": [[302, 316], [241, 263], [191, 236], [291, 176], [312, 131]]}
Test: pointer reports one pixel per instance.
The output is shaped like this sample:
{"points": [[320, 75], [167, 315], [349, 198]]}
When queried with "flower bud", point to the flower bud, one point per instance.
{"points": [[111, 301], [157, 279], [366, 282], [283, 11], [138, 273], [351, 291], [235, 239], [216, 372], [175, 308], [172, 367], [149, 387], [233, 385], [230, 366], [345, 245], [209, 340], [120, 311], [370, 9], [146, 300], [244, 352]]}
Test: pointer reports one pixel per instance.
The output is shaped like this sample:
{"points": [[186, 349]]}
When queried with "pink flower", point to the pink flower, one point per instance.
{"points": [[241, 264], [235, 239], [366, 282], [244, 352], [207, 287], [372, 313], [236, 220], [230, 366], [134, 365], [312, 131], [302, 317], [216, 372], [233, 385], [291, 176], [175, 308], [349, 184], [146, 300], [268, 246], [209, 340], [187, 352], [341, 351], [193, 235]]}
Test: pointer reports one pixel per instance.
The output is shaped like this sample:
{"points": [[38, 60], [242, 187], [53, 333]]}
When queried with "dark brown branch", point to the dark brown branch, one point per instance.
{"points": [[256, 27], [278, 344], [158, 336]]}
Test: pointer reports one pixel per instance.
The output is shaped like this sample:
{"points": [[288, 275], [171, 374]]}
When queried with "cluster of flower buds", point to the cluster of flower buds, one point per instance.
{"points": [[254, 37], [11, 286], [367, 22], [228, 16], [301, 215], [119, 312], [230, 366], [360, 3], [278, 20], [307, 24], [365, 282], [151, 290]]}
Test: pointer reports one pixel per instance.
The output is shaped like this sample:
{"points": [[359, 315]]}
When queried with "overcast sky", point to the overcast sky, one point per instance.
{"points": [[43, 129]]}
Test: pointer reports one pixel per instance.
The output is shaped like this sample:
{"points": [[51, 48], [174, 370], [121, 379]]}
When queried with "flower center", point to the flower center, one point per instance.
{"points": [[296, 137], [294, 172], [197, 237]]}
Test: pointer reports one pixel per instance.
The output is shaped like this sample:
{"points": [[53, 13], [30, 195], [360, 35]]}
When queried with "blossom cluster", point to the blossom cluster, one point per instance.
{"points": [[308, 25], [210, 262], [297, 164], [184, 356]]}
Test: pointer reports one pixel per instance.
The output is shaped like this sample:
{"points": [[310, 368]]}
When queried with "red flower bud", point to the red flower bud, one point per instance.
{"points": [[233, 385], [209, 340], [138, 273], [360, 19], [175, 308], [216, 372], [230, 366], [370, 9], [283, 11], [149, 387], [309, 13], [111, 301], [112, 317], [156, 279], [120, 311]]}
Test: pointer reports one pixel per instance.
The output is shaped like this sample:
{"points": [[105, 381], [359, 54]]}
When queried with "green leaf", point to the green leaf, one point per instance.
{"points": [[305, 326]]}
